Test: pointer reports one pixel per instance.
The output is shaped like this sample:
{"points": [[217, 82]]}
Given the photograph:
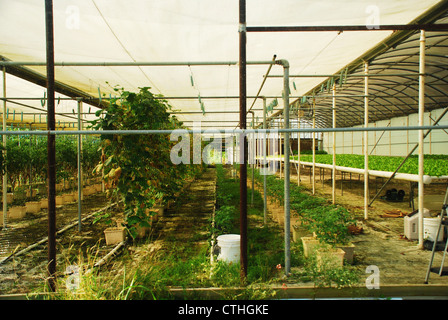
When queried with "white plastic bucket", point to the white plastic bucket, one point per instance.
{"points": [[230, 247], [430, 226]]}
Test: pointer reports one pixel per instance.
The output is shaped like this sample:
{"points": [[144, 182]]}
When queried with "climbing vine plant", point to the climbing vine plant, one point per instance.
{"points": [[137, 167]]}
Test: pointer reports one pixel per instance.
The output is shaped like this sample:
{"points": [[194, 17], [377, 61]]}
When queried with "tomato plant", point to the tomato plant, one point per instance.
{"points": [[17, 159], [26, 158], [91, 152], [137, 167], [66, 150]]}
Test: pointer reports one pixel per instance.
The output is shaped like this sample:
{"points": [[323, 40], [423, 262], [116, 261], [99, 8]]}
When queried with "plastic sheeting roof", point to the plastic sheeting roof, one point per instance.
{"points": [[397, 94], [182, 31]]}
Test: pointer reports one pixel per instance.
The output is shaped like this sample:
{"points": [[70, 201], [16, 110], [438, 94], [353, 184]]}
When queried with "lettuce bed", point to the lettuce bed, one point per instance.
{"points": [[434, 165]]}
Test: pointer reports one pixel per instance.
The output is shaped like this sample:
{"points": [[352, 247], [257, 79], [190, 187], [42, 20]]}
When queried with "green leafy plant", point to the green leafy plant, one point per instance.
{"points": [[138, 168], [17, 159], [225, 220], [66, 150], [91, 153], [329, 275], [434, 165], [330, 223], [26, 158]]}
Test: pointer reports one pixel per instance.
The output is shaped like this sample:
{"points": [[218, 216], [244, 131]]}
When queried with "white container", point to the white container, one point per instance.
{"points": [[411, 227], [430, 226], [230, 247], [411, 224]]}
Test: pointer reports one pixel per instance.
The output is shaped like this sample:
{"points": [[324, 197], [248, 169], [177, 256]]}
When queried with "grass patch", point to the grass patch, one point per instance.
{"points": [[264, 242]]}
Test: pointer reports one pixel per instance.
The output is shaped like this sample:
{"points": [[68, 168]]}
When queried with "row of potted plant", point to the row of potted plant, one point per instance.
{"points": [[26, 160], [320, 224], [36, 204]]}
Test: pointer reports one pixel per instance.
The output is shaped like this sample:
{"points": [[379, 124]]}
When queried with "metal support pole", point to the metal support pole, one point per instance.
{"points": [[79, 167], [366, 142], [243, 141], [298, 147], [285, 65], [51, 124], [313, 135], [5, 175], [30, 180], [252, 158], [421, 110], [280, 152], [333, 172], [264, 145]]}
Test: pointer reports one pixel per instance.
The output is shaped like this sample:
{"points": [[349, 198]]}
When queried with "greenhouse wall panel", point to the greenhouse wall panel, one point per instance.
{"points": [[396, 142]]}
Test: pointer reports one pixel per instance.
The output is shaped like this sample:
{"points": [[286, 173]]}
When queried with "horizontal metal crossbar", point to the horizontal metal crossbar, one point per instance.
{"points": [[208, 131], [394, 27]]}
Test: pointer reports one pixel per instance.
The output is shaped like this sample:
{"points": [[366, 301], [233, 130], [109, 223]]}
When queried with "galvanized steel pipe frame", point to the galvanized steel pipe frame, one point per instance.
{"points": [[229, 131], [264, 145], [391, 27], [242, 65], [366, 141], [285, 65], [50, 64], [421, 110], [134, 64], [79, 166], [407, 156]]}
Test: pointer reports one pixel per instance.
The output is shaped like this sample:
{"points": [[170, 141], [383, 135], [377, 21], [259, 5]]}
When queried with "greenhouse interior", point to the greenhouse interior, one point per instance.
{"points": [[224, 150]]}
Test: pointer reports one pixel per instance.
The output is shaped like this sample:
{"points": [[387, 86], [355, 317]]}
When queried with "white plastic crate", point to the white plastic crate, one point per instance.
{"points": [[411, 224]]}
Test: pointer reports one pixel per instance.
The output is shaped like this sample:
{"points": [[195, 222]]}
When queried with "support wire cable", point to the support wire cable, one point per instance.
{"points": [[122, 45]]}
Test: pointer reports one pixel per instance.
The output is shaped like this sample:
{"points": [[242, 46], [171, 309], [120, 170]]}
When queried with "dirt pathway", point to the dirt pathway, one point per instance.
{"points": [[184, 225], [192, 212]]}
